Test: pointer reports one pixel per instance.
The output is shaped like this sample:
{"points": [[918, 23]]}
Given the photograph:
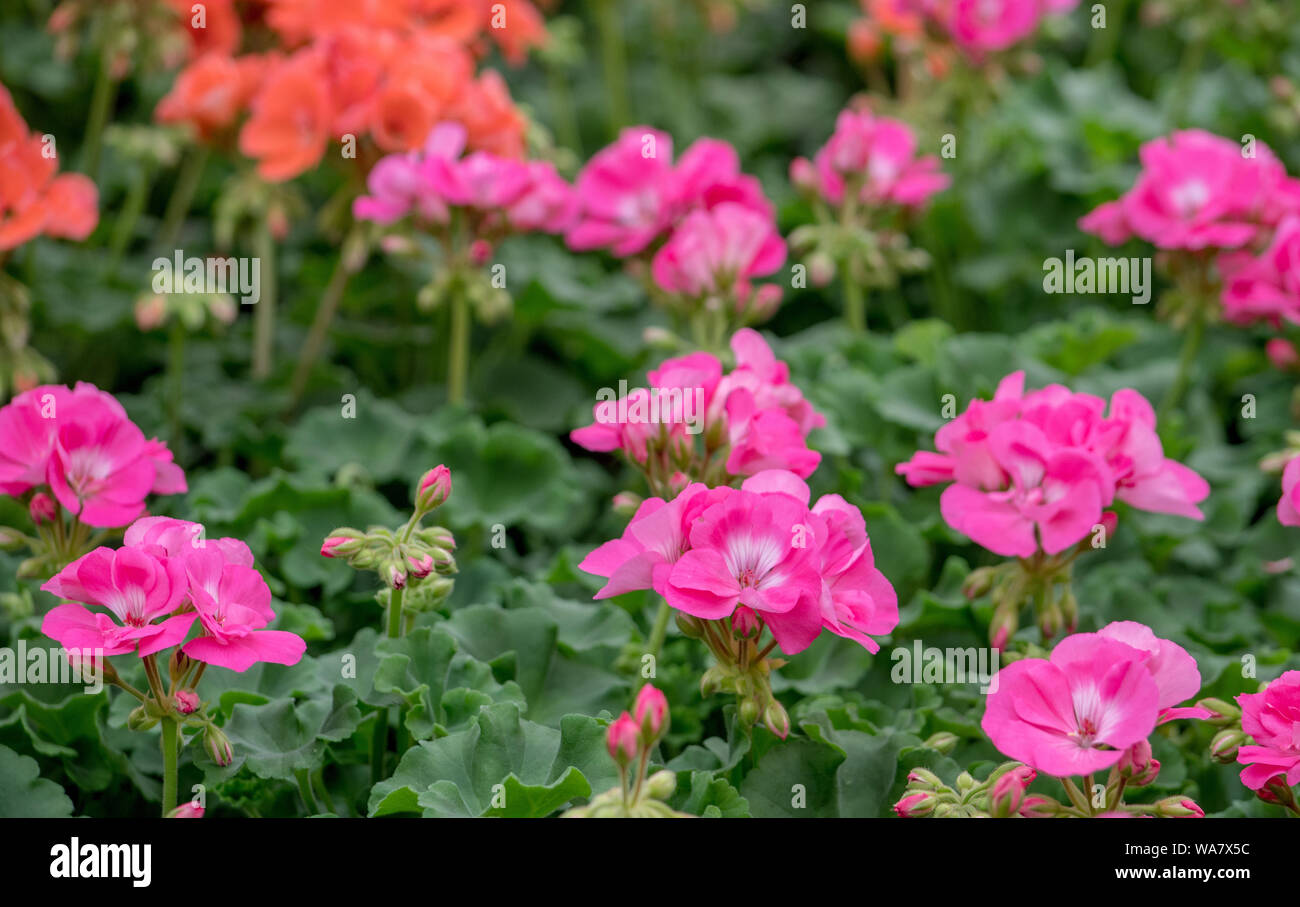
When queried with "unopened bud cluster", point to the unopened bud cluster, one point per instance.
{"points": [[409, 556]]}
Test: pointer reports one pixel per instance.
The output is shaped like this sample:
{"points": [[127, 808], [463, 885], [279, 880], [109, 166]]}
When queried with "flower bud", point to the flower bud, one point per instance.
{"points": [[749, 712], [1179, 807], [342, 543], [1224, 746], [420, 565], [777, 719], [11, 539], [978, 582], [185, 702], [923, 779], [438, 537], [691, 627], [43, 509], [744, 623], [141, 718], [1223, 712], [917, 805], [1036, 806], [393, 574], [711, 682], [1006, 620], [651, 712], [943, 741], [965, 782], [662, 784], [434, 488], [186, 811], [217, 745], [1008, 793], [623, 738], [1135, 760]]}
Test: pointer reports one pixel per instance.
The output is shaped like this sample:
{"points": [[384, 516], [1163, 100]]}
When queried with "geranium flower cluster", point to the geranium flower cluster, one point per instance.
{"points": [[1091, 706], [1271, 718], [1032, 472], [79, 462], [705, 228], [630, 739], [977, 27], [1031, 475], [862, 183], [736, 562], [1227, 215], [166, 579], [388, 72], [696, 424], [35, 199]]}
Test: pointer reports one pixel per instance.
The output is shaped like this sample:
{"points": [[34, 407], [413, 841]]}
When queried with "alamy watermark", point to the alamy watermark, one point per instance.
{"points": [[1131, 276], [931, 665], [39, 664], [240, 277], [656, 406]]}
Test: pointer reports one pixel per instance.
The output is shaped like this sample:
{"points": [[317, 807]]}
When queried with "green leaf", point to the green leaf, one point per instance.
{"points": [[24, 794]]}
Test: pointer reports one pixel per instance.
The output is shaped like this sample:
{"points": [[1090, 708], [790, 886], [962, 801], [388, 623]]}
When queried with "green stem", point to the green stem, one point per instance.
{"points": [[566, 122], [264, 318], [320, 325], [660, 629], [1105, 40], [178, 204], [305, 791], [101, 101], [175, 378], [613, 61], [169, 753], [1191, 346], [395, 614], [128, 217], [855, 306], [458, 351]]}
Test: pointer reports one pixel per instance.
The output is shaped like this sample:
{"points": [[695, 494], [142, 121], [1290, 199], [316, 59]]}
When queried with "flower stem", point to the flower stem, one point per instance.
{"points": [[132, 207], [320, 325], [170, 737], [395, 614], [458, 350], [660, 629], [264, 319], [178, 204], [175, 379], [1191, 346], [612, 57], [855, 306], [101, 100]]}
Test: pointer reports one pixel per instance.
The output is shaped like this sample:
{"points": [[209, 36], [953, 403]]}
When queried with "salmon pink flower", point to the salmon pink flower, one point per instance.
{"points": [[1272, 718], [137, 585]]}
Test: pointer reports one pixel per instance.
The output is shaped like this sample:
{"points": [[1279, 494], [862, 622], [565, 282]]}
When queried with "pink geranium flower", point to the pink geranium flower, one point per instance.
{"points": [[1098, 696], [81, 443], [626, 192], [717, 250], [1266, 288], [990, 25], [879, 154], [1032, 471], [137, 585], [1272, 718], [180, 538], [1075, 713], [234, 607], [1197, 191], [1288, 508]]}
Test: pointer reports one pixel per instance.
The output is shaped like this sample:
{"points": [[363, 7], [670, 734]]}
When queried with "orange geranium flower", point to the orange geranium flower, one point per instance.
{"points": [[211, 92], [290, 123], [33, 198], [492, 121]]}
